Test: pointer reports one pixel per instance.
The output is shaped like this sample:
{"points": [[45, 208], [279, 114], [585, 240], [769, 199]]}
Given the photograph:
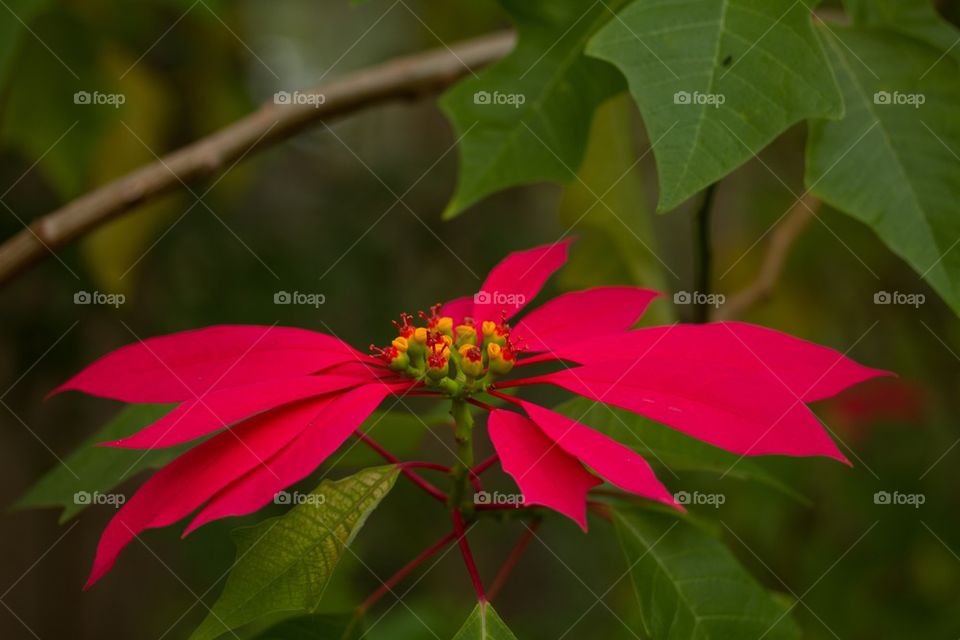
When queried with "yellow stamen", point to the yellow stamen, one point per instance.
{"points": [[400, 344], [488, 327]]}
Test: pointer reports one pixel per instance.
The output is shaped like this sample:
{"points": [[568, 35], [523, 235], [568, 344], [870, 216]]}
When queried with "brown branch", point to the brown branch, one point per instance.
{"points": [[781, 241], [408, 77]]}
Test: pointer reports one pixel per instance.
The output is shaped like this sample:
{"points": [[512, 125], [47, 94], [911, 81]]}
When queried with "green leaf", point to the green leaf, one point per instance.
{"points": [[550, 89], [14, 25], [484, 624], [606, 209], [716, 81], [895, 166], [916, 18], [285, 563], [689, 586], [96, 470], [667, 447], [314, 627]]}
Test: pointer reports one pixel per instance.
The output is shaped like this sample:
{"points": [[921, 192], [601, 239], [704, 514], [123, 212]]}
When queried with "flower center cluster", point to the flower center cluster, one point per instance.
{"points": [[459, 360]]}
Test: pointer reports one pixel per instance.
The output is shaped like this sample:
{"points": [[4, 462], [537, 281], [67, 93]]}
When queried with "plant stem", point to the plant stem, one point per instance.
{"points": [[460, 472], [395, 579], [404, 467], [467, 555], [702, 284], [525, 539]]}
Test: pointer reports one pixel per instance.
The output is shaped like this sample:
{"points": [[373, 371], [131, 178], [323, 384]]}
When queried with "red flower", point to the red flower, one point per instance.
{"points": [[291, 397]]}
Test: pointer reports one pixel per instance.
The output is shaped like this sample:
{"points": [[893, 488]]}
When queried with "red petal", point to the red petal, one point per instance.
{"points": [[182, 366], [573, 317], [745, 414], [544, 472], [327, 431], [608, 458], [224, 407], [458, 309], [810, 371], [517, 280], [185, 484]]}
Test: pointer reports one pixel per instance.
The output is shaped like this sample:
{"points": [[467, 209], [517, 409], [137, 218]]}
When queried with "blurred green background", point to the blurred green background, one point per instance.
{"points": [[317, 215]]}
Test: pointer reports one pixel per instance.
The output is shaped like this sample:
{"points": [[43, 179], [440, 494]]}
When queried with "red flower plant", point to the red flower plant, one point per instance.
{"points": [[283, 400]]}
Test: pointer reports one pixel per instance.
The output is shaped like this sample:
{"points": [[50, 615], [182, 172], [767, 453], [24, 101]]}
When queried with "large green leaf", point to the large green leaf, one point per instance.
{"points": [[484, 624], [320, 626], [503, 145], [664, 446], [690, 587], [895, 166], [285, 563], [917, 18], [94, 470], [717, 80], [606, 209]]}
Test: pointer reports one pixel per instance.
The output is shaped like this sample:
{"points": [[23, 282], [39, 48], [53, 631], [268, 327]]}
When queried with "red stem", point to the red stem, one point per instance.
{"points": [[389, 457], [468, 556], [484, 465], [525, 539], [482, 405], [395, 579]]}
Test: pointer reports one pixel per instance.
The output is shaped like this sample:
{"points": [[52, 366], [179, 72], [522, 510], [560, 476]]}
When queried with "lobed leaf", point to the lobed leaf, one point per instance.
{"points": [[284, 564], [550, 90], [690, 587], [94, 470], [895, 166], [716, 81]]}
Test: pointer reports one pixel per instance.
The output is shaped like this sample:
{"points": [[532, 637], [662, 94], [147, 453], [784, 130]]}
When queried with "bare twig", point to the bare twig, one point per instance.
{"points": [[781, 240], [402, 78]]}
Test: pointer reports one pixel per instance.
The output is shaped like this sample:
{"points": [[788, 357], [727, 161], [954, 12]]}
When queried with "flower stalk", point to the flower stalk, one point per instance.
{"points": [[461, 471]]}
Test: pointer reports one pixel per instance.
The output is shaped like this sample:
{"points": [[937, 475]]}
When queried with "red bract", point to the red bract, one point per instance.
{"points": [[283, 400]]}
